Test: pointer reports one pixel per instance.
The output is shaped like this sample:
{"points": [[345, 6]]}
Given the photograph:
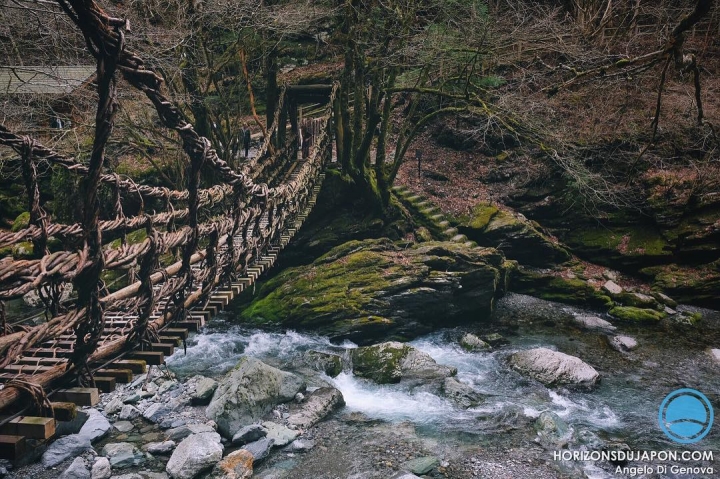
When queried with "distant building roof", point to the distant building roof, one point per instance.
{"points": [[53, 80]]}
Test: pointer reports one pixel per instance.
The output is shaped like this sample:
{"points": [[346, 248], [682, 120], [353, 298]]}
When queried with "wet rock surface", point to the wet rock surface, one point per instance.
{"points": [[554, 368]]}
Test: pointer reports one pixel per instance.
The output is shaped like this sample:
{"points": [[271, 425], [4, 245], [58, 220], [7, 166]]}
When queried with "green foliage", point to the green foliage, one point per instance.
{"points": [[631, 313], [65, 204]]}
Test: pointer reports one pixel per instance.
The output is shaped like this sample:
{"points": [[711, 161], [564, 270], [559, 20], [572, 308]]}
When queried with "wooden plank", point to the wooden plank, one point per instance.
{"points": [[26, 369], [34, 427], [49, 353], [167, 349], [179, 332], [40, 361], [79, 396], [150, 357], [190, 325], [104, 383], [174, 340], [64, 411], [137, 366], [122, 376], [12, 447]]}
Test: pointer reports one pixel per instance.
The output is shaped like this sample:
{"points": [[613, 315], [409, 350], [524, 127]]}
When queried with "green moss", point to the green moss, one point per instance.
{"points": [[134, 237], [561, 290], [22, 250], [381, 363], [631, 313], [21, 222], [481, 216], [626, 240]]}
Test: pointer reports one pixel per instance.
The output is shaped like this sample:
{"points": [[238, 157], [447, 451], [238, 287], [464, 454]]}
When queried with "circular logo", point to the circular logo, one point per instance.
{"points": [[686, 416]]}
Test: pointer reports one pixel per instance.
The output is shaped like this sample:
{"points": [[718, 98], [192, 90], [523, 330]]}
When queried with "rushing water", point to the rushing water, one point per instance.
{"points": [[622, 409]]}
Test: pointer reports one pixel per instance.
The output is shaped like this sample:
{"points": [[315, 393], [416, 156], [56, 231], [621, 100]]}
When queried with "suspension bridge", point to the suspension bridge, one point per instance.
{"points": [[202, 246]]}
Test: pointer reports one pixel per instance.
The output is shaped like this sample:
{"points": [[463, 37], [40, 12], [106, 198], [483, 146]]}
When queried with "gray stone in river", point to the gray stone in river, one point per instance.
{"points": [[113, 406], [421, 465], [404, 475], [156, 413], [593, 323], [122, 454], [715, 353], [250, 391], [470, 342], [204, 391], [77, 470], [316, 407], [552, 431], [159, 447], [622, 343], [65, 448], [124, 426], [259, 449], [195, 454], [129, 412], [101, 468], [330, 364], [461, 393], [250, 433], [300, 445], [281, 435], [554, 368], [96, 427]]}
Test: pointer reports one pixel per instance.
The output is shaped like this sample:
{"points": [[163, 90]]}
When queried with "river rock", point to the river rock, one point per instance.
{"points": [[159, 448], [622, 343], [367, 290], [124, 426], [259, 449], [194, 454], [421, 465], [554, 368], [132, 475], [316, 407], [250, 433], [77, 470], [715, 353], [593, 323], [179, 433], [128, 413], [664, 299], [101, 468], [236, 465], [122, 455], [392, 361], [156, 412], [461, 393], [204, 390], [281, 435], [470, 342], [113, 406], [552, 431], [404, 475], [330, 364], [65, 448], [612, 288], [96, 427], [250, 391], [639, 300], [300, 445]]}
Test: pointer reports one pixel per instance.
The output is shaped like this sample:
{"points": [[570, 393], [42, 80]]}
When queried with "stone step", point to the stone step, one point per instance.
{"points": [[450, 232], [444, 224], [470, 244], [459, 238]]}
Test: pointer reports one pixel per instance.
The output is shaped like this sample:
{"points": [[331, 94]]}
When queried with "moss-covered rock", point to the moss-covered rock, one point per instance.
{"points": [[392, 361], [22, 250], [22, 221], [639, 300], [627, 248], [555, 288], [697, 285], [330, 364], [632, 313], [369, 289], [514, 235]]}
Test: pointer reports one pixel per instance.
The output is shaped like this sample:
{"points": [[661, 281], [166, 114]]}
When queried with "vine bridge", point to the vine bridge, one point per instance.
{"points": [[202, 246]]}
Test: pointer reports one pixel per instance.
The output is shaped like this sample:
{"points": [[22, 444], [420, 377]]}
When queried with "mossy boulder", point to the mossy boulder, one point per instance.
{"points": [[632, 313], [626, 248], [639, 300], [698, 285], [555, 288], [22, 221], [513, 234], [393, 361], [470, 342], [328, 363], [363, 290]]}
